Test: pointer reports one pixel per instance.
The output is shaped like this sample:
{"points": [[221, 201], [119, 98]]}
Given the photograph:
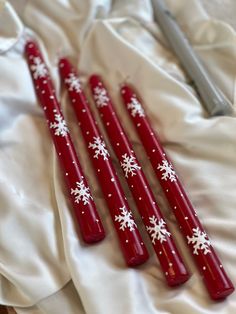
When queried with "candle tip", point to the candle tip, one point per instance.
{"points": [[122, 85], [62, 61], [30, 44], [94, 79], [124, 88]]}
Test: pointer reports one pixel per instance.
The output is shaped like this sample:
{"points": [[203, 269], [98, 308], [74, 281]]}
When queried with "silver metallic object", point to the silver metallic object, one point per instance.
{"points": [[213, 98]]}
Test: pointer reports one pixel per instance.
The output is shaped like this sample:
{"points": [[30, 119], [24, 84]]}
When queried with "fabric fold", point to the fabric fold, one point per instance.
{"points": [[40, 245]]}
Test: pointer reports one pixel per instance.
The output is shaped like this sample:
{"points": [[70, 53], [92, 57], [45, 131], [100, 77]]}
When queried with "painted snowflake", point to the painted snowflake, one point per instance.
{"points": [[136, 108], [168, 172], [59, 125], [157, 230], [126, 219], [129, 165], [100, 97], [99, 147], [73, 82], [81, 193], [199, 241], [38, 68]]}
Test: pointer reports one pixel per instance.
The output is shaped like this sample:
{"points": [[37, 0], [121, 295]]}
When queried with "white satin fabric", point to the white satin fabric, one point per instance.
{"points": [[40, 250]]}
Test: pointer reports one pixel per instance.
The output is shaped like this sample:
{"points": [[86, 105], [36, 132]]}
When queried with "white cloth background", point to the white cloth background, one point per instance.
{"points": [[40, 251]]}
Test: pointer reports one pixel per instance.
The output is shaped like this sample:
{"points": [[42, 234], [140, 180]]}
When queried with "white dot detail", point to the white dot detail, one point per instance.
{"points": [[204, 267], [112, 180]]}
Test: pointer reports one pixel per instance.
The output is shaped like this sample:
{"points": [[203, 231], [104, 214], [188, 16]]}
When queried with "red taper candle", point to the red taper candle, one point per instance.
{"points": [[170, 260], [217, 282], [132, 245], [90, 224]]}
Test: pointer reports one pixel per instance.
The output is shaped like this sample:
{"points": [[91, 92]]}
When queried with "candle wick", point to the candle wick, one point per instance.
{"points": [[126, 81]]}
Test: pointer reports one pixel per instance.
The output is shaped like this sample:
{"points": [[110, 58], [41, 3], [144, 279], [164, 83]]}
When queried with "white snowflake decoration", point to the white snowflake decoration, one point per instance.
{"points": [[99, 147], [136, 108], [126, 219], [199, 241], [38, 68], [81, 193], [73, 82], [59, 125], [129, 165], [100, 97], [157, 230], [168, 172]]}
